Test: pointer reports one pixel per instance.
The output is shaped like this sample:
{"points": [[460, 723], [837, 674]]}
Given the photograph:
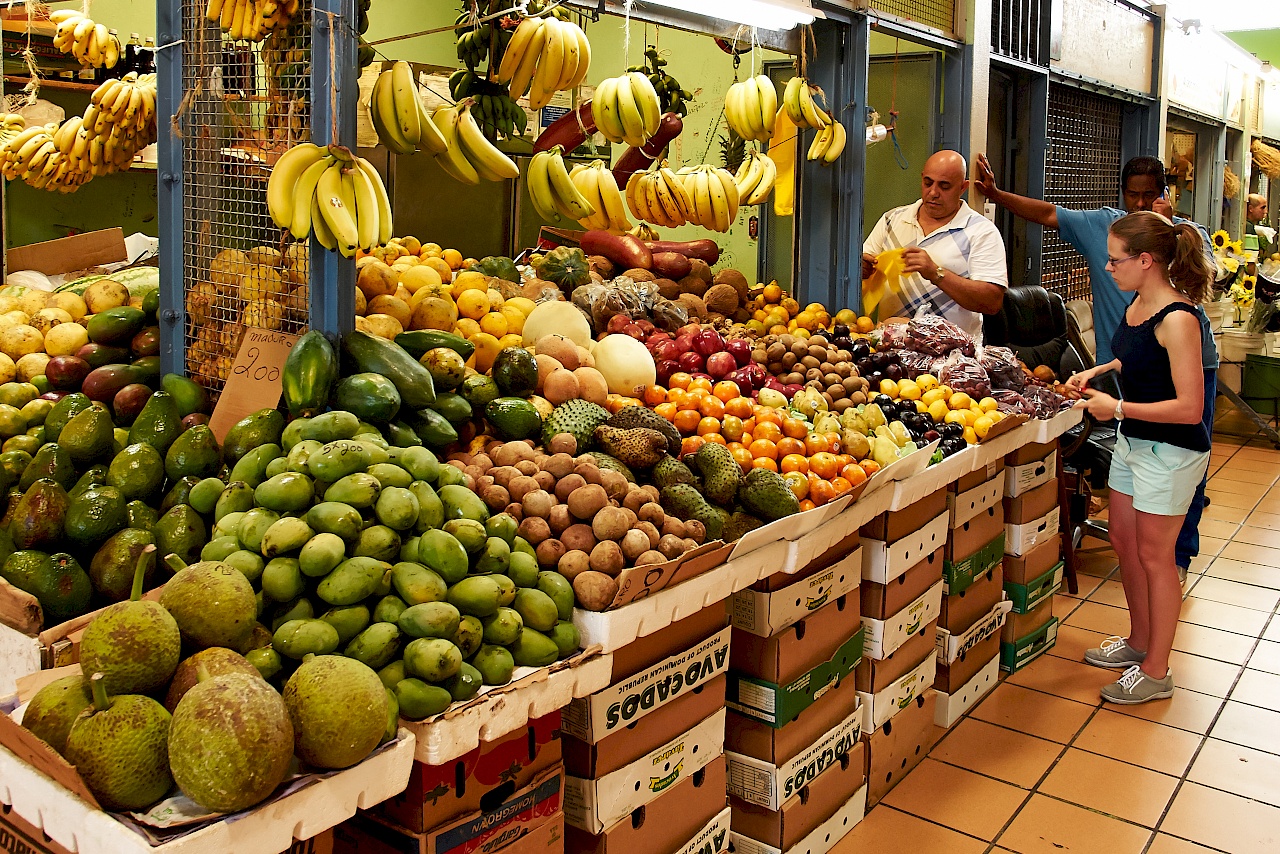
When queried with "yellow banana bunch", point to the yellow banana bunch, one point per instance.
{"points": [[797, 100], [751, 108], [627, 109], [93, 45], [714, 195], [544, 56], [828, 144], [11, 124], [119, 122], [468, 156], [597, 185], [554, 192], [332, 193], [252, 20], [755, 178], [658, 195], [399, 117]]}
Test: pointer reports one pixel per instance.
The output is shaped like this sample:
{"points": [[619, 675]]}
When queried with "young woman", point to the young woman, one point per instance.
{"points": [[1162, 450]]}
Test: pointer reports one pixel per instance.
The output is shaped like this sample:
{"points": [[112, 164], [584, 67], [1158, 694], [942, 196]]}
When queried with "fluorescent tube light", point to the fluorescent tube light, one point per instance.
{"points": [[765, 14]]}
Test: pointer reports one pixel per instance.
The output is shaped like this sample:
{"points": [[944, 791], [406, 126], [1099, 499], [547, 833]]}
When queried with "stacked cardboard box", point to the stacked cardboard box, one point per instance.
{"points": [[1032, 553], [644, 758], [507, 794], [973, 609], [795, 758], [901, 601]]}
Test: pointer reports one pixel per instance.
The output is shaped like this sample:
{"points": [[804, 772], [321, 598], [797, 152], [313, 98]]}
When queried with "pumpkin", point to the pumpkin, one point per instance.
{"points": [[566, 267]]}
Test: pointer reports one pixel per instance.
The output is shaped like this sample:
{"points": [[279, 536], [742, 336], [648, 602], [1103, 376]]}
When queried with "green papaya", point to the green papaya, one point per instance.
{"points": [[308, 375], [378, 356]]}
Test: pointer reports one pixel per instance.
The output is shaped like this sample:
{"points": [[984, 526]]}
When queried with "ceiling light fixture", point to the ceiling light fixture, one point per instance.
{"points": [[765, 14]]}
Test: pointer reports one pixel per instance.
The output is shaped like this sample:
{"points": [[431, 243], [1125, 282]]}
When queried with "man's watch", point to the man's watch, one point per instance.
{"points": [[942, 274], [1119, 413]]}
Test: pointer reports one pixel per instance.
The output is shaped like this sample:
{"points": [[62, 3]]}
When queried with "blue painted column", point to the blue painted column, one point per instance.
{"points": [[169, 188]]}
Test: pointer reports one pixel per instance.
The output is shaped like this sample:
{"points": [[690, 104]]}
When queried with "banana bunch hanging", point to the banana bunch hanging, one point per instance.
{"points": [[399, 117], [597, 185], [332, 193], [93, 45], [828, 144], [802, 109], [658, 195], [496, 113], [714, 195], [554, 192], [468, 156], [751, 108], [252, 20], [627, 109], [755, 178], [545, 55]]}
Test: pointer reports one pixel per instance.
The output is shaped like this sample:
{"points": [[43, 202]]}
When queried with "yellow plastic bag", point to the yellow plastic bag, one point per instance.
{"points": [[882, 293], [782, 148]]}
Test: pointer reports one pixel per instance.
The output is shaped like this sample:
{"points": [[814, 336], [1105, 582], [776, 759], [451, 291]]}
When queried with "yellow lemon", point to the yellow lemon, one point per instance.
{"points": [[524, 304], [959, 400], [970, 436], [510, 340], [515, 318], [467, 327], [988, 404], [920, 407], [927, 381], [889, 387], [996, 416], [956, 416], [470, 280], [938, 410], [982, 426], [907, 390], [935, 395], [946, 390], [473, 304], [487, 348], [495, 299], [802, 333], [494, 323]]}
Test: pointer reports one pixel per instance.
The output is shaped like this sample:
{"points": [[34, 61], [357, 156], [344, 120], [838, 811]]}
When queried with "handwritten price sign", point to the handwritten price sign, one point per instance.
{"points": [[254, 382]]}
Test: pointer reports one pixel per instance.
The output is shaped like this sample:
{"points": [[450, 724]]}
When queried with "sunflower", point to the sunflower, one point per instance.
{"points": [[1249, 282], [1220, 239], [1235, 247]]}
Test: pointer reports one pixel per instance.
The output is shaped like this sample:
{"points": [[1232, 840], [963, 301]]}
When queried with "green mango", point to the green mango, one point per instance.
{"points": [[533, 649], [181, 532], [432, 659], [416, 583], [264, 427], [401, 435], [397, 508], [236, 497], [367, 395], [137, 471], [418, 461], [461, 503], [300, 453], [451, 476], [353, 581], [331, 426], [538, 610], [349, 620], [299, 609], [205, 494], [94, 515], [502, 627], [254, 525], [469, 532], [13, 464], [430, 508], [321, 555], [378, 541], [429, 620], [299, 638], [288, 534], [28, 443], [252, 467], [494, 557], [506, 588], [560, 590], [419, 700], [267, 662], [333, 517], [278, 466], [229, 525], [390, 474], [503, 526], [523, 569], [443, 553], [36, 411], [465, 684], [495, 664], [477, 595], [388, 609], [566, 638], [89, 435], [17, 394], [219, 549], [158, 424], [376, 645], [469, 636], [359, 490], [290, 492], [194, 453], [282, 581], [250, 564], [392, 673]]}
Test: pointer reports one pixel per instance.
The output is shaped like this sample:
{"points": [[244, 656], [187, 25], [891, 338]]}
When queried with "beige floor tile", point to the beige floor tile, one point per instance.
{"points": [[1212, 545], [1223, 498], [1005, 754], [1203, 675], [1250, 726], [1245, 471], [1071, 680], [1266, 657], [1139, 742], [1085, 585], [1110, 592], [1100, 618], [1257, 536], [1221, 820], [1092, 781], [1049, 826], [1219, 529], [1073, 641], [1033, 712], [1225, 482], [1200, 563], [1186, 709], [1099, 564], [1256, 452], [1219, 513], [1218, 615], [1258, 689], [1245, 573], [1251, 553], [1273, 631], [1166, 844], [1240, 770], [1213, 643], [956, 798], [884, 828], [1268, 505], [1241, 595], [1258, 519]]}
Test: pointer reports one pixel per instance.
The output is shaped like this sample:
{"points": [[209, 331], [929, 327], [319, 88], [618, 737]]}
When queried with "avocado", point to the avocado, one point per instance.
{"points": [[113, 565], [181, 532], [53, 462], [263, 427], [158, 424], [63, 411], [89, 435], [513, 418], [515, 371], [57, 581], [193, 453], [40, 515], [95, 514]]}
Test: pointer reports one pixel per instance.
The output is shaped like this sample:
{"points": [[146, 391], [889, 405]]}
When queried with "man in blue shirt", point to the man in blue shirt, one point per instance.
{"points": [[1144, 187]]}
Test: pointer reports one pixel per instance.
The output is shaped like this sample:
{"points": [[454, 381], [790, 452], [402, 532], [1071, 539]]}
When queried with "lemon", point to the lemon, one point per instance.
{"points": [[988, 404], [938, 410], [494, 323], [970, 436], [889, 387], [524, 304], [908, 390], [473, 304], [927, 382], [955, 416], [982, 426], [959, 400], [934, 395], [515, 317], [996, 416], [467, 327]]}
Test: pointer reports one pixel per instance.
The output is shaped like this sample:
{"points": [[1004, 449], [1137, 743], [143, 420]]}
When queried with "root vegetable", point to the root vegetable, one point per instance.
{"points": [[579, 537], [560, 519], [538, 503], [514, 510], [634, 544], [610, 523], [653, 514], [559, 465], [549, 553], [594, 591], [573, 564], [671, 546], [568, 485], [673, 527], [527, 467], [649, 558], [563, 443], [607, 557], [585, 503], [635, 498], [521, 486], [615, 484], [650, 531], [503, 475], [546, 480], [534, 529], [495, 497], [590, 472]]}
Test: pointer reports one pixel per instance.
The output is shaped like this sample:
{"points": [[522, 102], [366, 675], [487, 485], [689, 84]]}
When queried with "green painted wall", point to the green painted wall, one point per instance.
{"points": [[123, 16], [1263, 43]]}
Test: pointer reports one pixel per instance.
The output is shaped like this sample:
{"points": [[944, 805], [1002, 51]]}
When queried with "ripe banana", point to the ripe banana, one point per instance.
{"points": [[284, 178], [489, 163], [566, 197], [751, 108], [252, 19], [452, 160], [714, 197], [596, 183], [540, 191], [627, 109], [93, 45], [546, 53], [587, 183], [331, 193], [828, 144], [798, 101], [755, 178]]}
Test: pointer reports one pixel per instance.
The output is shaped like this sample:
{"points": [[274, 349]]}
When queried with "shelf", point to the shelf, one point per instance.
{"points": [[52, 83]]}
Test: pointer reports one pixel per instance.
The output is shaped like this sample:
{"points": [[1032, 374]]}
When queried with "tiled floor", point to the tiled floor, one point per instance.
{"points": [[1041, 766]]}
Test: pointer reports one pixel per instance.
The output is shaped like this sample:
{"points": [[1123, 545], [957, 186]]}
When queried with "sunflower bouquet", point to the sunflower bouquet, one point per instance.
{"points": [[1228, 256]]}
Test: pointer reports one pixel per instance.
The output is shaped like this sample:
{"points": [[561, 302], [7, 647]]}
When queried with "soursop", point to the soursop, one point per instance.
{"points": [[578, 418], [630, 417]]}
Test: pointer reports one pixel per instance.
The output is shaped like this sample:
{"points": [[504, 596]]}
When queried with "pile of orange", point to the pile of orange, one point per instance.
{"points": [[813, 464]]}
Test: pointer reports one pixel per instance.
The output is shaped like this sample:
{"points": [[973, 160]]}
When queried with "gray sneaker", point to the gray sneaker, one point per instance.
{"points": [[1182, 575], [1115, 652], [1135, 687]]}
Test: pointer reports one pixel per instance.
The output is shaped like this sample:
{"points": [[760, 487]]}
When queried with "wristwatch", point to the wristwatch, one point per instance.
{"points": [[942, 274], [1119, 413]]}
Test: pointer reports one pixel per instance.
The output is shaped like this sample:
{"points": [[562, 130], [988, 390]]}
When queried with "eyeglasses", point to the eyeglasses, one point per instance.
{"points": [[1116, 262]]}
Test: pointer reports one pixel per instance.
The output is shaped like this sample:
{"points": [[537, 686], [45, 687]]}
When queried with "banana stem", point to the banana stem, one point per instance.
{"points": [[175, 563], [341, 152], [146, 561], [98, 687]]}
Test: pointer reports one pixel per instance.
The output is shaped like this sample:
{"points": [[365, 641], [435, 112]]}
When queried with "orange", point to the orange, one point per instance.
{"points": [[794, 463], [866, 324], [731, 427], [764, 449], [764, 463], [765, 414], [816, 443], [708, 425], [772, 293], [798, 483], [854, 474], [711, 406], [821, 491], [700, 382], [726, 390], [691, 444], [840, 485], [742, 457], [767, 430], [795, 428], [679, 380], [666, 410], [834, 444], [452, 257], [686, 420], [870, 467], [806, 504], [748, 424], [739, 406], [788, 445], [746, 438], [824, 464], [714, 438], [655, 394]]}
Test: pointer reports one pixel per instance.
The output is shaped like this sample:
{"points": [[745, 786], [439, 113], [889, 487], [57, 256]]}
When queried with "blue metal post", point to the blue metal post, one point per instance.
{"points": [[169, 189], [1038, 133], [334, 92]]}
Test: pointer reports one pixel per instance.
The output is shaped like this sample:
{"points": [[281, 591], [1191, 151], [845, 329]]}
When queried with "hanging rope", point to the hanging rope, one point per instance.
{"points": [[898, 155]]}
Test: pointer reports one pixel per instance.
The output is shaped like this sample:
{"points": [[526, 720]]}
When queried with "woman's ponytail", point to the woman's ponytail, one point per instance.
{"points": [[1189, 271]]}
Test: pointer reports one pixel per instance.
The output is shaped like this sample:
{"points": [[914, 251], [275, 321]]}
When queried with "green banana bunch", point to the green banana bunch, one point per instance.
{"points": [[671, 95], [494, 110]]}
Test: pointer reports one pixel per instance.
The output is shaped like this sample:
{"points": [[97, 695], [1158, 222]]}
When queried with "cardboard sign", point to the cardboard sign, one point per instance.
{"points": [[254, 382]]}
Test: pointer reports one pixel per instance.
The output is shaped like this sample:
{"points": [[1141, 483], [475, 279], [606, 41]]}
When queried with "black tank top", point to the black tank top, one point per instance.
{"points": [[1145, 377]]}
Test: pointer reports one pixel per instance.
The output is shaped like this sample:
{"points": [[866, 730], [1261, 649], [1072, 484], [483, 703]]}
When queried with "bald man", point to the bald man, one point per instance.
{"points": [[954, 256], [1255, 213]]}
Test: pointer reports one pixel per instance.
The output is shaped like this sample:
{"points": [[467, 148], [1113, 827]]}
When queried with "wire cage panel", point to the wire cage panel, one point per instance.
{"points": [[1082, 171], [243, 105], [1017, 28], [938, 14]]}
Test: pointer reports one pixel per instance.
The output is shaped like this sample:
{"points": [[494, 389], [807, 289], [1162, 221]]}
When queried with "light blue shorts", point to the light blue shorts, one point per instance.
{"points": [[1161, 478]]}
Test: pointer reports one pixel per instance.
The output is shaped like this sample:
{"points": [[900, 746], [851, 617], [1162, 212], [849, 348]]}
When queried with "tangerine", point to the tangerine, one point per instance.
{"points": [[795, 428], [711, 406], [854, 473], [788, 445], [654, 395], [742, 457], [739, 406], [714, 439], [764, 463], [679, 380], [794, 463], [824, 464], [710, 425], [731, 427], [686, 420], [767, 430], [798, 483], [666, 410], [700, 382], [806, 504], [691, 444], [821, 491], [764, 449], [726, 390], [816, 443]]}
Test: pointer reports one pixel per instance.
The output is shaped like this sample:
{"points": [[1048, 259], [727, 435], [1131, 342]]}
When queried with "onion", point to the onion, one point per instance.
{"points": [[625, 364]]}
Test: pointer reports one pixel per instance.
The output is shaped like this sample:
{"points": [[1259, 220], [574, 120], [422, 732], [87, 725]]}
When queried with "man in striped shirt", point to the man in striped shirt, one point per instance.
{"points": [[954, 259]]}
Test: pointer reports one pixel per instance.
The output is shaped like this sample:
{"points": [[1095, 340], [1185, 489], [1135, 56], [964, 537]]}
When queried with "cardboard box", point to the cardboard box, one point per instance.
{"points": [[769, 784], [1027, 597], [529, 822], [832, 555], [960, 610], [882, 561], [495, 770], [1024, 569], [1019, 625], [958, 575], [649, 650], [1027, 648], [805, 811], [977, 477], [884, 636], [597, 804], [632, 742], [627, 701], [68, 254], [17, 836], [779, 703], [881, 601], [751, 737], [953, 705], [893, 525], [899, 745], [1032, 504], [1031, 452], [713, 838], [697, 808], [952, 646], [1025, 477], [951, 676], [1020, 539], [893, 698], [764, 613], [971, 535], [873, 674], [821, 839], [963, 506]]}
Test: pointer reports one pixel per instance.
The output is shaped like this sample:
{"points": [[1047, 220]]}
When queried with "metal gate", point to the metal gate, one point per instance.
{"points": [[1082, 171], [1018, 30], [937, 14]]}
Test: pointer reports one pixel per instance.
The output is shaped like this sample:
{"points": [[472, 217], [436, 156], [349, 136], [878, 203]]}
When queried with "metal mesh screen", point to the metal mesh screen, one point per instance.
{"points": [[1016, 27], [245, 105], [1082, 171], [938, 14]]}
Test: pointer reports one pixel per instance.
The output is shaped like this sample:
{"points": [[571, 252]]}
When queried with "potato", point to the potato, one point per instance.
{"points": [[671, 546], [586, 502], [573, 563], [559, 465], [607, 557], [615, 484], [610, 523], [560, 519], [104, 294], [650, 557], [652, 491], [563, 443], [651, 532], [528, 468], [515, 511], [589, 471], [521, 486], [495, 497], [653, 514], [696, 531], [546, 481], [538, 503], [534, 529], [594, 590], [503, 475], [673, 527]]}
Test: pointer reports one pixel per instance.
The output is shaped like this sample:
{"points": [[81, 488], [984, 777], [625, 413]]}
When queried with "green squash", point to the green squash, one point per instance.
{"points": [[565, 267]]}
